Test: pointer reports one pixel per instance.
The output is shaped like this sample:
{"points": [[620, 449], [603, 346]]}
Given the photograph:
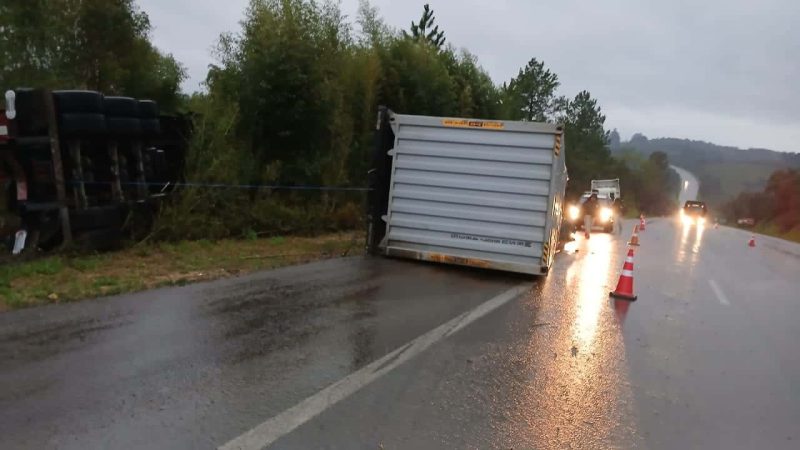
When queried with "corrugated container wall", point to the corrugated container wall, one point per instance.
{"points": [[475, 192]]}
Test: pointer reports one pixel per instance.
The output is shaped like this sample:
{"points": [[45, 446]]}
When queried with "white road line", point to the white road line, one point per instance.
{"points": [[720, 295], [274, 428]]}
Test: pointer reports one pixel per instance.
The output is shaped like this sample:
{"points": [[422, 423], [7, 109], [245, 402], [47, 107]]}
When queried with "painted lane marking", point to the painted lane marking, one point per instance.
{"points": [[282, 424], [718, 292]]}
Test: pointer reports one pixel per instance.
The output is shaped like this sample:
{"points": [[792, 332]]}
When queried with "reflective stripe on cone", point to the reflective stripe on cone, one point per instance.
{"points": [[624, 289]]}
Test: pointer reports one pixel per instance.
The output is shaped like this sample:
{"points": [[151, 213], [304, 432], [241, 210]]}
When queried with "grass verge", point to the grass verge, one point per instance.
{"points": [[64, 278], [774, 231]]}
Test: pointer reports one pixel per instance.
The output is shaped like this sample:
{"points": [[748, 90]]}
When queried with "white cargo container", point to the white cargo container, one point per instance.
{"points": [[470, 192]]}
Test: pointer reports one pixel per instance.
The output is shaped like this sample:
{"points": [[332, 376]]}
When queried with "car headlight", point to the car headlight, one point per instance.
{"points": [[574, 212], [605, 214]]}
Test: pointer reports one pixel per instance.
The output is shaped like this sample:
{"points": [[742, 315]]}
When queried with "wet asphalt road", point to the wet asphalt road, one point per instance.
{"points": [[565, 367], [690, 187], [706, 358], [191, 367]]}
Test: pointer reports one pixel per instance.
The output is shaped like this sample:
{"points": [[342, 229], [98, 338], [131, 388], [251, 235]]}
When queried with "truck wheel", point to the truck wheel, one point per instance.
{"points": [[101, 240], [150, 127], [121, 107], [72, 123], [31, 116], [127, 126], [111, 216], [85, 102], [148, 109]]}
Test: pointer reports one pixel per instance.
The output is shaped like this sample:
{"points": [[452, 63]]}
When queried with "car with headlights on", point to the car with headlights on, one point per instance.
{"points": [[604, 216], [693, 212]]}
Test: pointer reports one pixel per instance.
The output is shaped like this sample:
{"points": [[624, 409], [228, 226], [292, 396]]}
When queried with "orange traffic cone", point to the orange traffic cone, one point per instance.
{"points": [[752, 241], [635, 238], [642, 223], [624, 289]]}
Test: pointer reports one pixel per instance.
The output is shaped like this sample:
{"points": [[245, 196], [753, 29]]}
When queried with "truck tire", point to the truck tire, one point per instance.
{"points": [[100, 240], [84, 102], [79, 124], [31, 112], [97, 217], [121, 107], [150, 127], [123, 126], [148, 109]]}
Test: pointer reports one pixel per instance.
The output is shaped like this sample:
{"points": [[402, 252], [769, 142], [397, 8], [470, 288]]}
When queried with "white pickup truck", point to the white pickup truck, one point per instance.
{"points": [[606, 188], [607, 191]]}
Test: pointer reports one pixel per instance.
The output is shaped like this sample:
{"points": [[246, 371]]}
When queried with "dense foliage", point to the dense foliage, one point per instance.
{"points": [[91, 44], [291, 104], [294, 98], [777, 205]]}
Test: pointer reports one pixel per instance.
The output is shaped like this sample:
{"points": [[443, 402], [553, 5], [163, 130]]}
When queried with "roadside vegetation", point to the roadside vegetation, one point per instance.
{"points": [[292, 102], [775, 210], [723, 171], [65, 278]]}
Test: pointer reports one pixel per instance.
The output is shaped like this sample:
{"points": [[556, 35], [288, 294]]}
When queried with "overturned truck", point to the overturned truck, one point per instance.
{"points": [[80, 165], [469, 192]]}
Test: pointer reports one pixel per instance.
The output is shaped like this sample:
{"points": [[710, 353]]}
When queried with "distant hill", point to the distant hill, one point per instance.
{"points": [[724, 172]]}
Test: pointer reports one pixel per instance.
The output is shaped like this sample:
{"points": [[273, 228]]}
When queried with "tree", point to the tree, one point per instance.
{"points": [[475, 93], [374, 31], [783, 187], [638, 139], [284, 72], [586, 140], [660, 160], [416, 79], [91, 44], [531, 94], [426, 30], [585, 118], [614, 141]]}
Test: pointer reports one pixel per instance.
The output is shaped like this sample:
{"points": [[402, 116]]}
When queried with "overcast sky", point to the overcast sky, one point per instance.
{"points": [[725, 71]]}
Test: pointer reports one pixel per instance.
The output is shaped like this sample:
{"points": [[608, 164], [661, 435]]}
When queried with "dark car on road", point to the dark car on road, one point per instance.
{"points": [[694, 212]]}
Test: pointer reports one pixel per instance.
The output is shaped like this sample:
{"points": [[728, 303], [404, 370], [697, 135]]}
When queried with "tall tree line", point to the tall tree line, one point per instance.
{"points": [[101, 45], [294, 96], [777, 206], [291, 100]]}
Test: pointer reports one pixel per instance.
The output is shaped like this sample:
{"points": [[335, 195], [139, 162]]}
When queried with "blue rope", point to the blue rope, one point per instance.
{"points": [[234, 186]]}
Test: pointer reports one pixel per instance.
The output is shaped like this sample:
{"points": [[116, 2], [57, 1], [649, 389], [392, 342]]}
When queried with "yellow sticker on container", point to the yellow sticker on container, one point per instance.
{"points": [[461, 123], [557, 147]]}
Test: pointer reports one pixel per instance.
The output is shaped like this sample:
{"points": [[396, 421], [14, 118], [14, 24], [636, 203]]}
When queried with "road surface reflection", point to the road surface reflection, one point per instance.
{"points": [[685, 230], [593, 273], [690, 234], [577, 391], [698, 240]]}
